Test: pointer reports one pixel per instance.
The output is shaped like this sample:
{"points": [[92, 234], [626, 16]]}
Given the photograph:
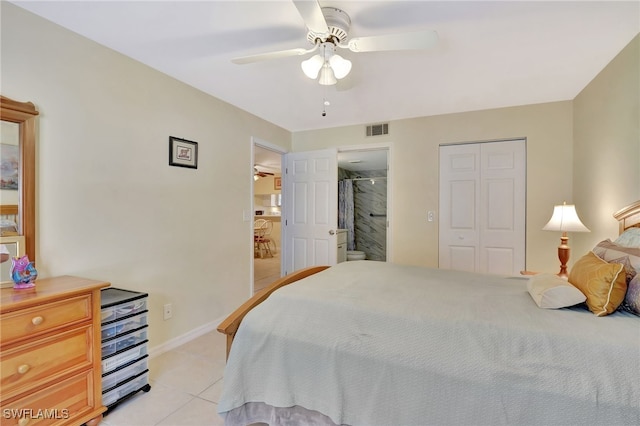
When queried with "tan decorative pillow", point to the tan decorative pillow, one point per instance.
{"points": [[552, 292], [603, 283]]}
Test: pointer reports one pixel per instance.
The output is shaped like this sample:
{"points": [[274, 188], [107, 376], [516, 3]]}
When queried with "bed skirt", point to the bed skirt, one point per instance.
{"points": [[257, 413]]}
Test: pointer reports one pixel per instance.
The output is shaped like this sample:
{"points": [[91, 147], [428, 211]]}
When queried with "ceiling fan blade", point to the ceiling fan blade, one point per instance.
{"points": [[405, 41], [270, 55], [312, 15]]}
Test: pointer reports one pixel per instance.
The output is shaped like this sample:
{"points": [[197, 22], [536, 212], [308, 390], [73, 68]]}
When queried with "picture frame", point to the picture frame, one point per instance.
{"points": [[183, 153], [277, 182], [16, 248]]}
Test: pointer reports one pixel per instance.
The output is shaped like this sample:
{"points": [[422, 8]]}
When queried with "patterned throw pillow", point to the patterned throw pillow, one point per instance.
{"points": [[632, 299], [630, 258], [629, 238]]}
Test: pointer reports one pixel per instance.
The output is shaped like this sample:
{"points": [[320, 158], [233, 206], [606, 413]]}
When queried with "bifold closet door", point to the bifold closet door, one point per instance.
{"points": [[482, 207]]}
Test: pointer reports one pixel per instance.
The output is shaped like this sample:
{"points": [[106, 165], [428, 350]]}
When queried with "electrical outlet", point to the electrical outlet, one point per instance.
{"points": [[430, 215], [168, 311]]}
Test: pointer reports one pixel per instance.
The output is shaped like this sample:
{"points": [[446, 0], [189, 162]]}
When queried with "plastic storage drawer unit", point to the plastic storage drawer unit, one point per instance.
{"points": [[123, 341], [124, 325], [124, 345], [126, 389], [119, 376], [117, 360], [125, 309]]}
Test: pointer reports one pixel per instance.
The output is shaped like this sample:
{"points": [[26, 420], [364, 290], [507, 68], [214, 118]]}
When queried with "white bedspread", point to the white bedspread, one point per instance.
{"points": [[372, 343]]}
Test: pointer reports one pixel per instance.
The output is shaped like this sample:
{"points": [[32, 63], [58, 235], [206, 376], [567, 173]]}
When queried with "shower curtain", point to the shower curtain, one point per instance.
{"points": [[345, 211]]}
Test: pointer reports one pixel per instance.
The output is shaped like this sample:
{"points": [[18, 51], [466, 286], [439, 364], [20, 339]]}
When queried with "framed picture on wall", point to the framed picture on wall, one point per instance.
{"points": [[183, 153], [15, 246], [277, 182]]}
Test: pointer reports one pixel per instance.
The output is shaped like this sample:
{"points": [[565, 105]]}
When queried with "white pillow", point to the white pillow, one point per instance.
{"points": [[552, 292]]}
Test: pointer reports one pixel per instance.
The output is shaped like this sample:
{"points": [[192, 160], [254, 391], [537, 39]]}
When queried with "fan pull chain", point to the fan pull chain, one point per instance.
{"points": [[325, 102]]}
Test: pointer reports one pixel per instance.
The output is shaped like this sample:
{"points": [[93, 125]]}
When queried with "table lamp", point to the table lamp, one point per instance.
{"points": [[564, 219]]}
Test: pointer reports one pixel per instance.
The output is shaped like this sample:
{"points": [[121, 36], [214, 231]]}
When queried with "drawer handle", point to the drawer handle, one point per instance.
{"points": [[23, 421], [23, 368], [37, 320]]}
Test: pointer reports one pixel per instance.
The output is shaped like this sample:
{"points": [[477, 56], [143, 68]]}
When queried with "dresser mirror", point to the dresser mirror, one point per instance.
{"points": [[18, 185]]}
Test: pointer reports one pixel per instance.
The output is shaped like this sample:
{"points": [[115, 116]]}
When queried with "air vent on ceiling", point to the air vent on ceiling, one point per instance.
{"points": [[378, 129]]}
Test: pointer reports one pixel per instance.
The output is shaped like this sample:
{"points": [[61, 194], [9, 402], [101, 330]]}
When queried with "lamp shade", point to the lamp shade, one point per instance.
{"points": [[312, 66], [327, 78], [341, 67], [565, 219]]}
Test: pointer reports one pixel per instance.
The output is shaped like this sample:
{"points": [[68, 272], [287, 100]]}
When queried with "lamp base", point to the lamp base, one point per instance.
{"points": [[563, 254]]}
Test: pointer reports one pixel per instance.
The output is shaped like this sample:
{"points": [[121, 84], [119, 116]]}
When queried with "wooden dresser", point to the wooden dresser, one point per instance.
{"points": [[50, 371]]}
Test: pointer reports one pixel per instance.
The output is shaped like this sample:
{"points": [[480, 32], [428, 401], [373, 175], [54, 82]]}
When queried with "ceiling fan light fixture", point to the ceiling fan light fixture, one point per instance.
{"points": [[327, 78], [312, 66], [341, 67]]}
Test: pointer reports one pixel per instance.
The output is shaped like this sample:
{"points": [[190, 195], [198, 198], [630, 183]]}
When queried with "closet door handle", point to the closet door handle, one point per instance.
{"points": [[332, 232]]}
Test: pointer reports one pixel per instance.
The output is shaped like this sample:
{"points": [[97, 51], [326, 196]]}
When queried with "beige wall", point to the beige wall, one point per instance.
{"points": [[414, 170], [607, 146], [109, 205], [266, 185]]}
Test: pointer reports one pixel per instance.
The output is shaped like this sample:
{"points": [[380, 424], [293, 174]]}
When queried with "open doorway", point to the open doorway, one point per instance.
{"points": [[363, 198], [267, 209]]}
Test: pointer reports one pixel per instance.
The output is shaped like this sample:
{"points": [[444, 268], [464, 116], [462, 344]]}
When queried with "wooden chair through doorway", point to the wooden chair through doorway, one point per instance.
{"points": [[262, 237]]}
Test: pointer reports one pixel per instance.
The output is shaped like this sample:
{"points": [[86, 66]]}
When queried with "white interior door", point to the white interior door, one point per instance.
{"points": [[459, 198], [503, 208], [311, 184], [483, 207]]}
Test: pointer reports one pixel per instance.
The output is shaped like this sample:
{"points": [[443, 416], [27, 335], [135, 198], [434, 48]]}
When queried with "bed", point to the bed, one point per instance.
{"points": [[373, 343]]}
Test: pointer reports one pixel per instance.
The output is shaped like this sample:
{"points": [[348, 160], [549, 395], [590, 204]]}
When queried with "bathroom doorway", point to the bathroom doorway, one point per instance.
{"points": [[363, 202]]}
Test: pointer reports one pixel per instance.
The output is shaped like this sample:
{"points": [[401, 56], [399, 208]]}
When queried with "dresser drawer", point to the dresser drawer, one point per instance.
{"points": [[40, 319], [33, 364], [58, 404]]}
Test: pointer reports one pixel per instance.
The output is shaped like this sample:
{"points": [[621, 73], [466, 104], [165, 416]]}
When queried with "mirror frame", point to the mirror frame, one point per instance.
{"points": [[25, 113]]}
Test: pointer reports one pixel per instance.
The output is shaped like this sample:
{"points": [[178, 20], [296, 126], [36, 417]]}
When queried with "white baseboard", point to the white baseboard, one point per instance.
{"points": [[184, 338]]}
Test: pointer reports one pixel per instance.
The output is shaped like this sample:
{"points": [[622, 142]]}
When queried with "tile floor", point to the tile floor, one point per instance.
{"points": [[186, 383], [265, 271]]}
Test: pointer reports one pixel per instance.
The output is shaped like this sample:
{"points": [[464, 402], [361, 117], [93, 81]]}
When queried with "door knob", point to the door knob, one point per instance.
{"points": [[332, 232]]}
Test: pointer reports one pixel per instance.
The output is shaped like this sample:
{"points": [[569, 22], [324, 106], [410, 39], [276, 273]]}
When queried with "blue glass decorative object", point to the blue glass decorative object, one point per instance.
{"points": [[23, 273]]}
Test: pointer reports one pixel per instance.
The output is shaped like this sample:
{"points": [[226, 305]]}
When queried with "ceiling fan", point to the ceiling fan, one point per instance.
{"points": [[258, 174], [328, 29]]}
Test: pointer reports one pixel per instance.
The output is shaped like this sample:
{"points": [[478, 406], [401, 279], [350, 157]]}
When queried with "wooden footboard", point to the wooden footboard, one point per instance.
{"points": [[230, 325]]}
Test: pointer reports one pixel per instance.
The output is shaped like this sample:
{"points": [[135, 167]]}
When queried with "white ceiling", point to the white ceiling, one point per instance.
{"points": [[489, 54]]}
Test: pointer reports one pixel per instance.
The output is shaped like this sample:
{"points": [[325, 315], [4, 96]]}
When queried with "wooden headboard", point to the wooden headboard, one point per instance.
{"points": [[628, 217], [8, 209]]}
